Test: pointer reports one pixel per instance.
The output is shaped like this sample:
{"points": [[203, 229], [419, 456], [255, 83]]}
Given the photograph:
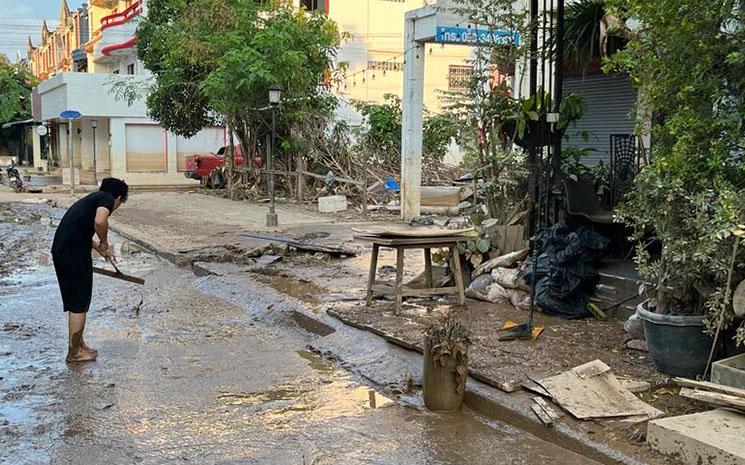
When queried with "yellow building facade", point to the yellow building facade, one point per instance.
{"points": [[374, 52]]}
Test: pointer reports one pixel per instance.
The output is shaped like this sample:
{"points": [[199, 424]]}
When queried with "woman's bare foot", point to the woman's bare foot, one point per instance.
{"points": [[81, 356]]}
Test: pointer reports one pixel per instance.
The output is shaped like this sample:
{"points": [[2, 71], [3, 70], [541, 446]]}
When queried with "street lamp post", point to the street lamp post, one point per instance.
{"points": [[275, 93], [94, 125]]}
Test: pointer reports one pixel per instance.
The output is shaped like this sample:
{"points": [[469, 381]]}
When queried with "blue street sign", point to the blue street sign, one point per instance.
{"points": [[475, 36], [70, 114]]}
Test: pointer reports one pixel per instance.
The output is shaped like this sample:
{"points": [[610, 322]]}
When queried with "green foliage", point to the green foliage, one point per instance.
{"points": [[582, 32], [380, 136], [688, 59], [214, 60], [16, 82]]}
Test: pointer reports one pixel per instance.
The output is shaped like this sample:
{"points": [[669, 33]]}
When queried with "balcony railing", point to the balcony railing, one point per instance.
{"points": [[116, 19]]}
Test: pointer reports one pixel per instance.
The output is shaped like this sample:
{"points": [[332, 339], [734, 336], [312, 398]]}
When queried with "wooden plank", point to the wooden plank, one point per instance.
{"points": [[302, 245], [412, 232], [689, 383], [336, 178], [546, 408], [122, 276], [409, 292], [714, 398], [431, 242], [542, 415]]}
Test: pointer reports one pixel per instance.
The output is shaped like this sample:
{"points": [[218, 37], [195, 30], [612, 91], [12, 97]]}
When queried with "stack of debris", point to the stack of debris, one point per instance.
{"points": [[591, 391]]}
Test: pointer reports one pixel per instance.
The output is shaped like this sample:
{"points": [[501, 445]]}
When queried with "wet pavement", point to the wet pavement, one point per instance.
{"points": [[188, 377]]}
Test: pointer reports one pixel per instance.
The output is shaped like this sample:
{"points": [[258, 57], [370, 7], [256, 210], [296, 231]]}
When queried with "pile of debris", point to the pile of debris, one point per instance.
{"points": [[592, 391], [500, 280]]}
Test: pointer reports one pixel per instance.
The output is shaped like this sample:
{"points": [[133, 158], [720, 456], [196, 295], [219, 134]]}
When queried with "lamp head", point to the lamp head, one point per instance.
{"points": [[275, 94]]}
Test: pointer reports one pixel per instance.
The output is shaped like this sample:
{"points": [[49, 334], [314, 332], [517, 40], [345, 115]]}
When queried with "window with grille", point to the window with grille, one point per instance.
{"points": [[458, 76]]}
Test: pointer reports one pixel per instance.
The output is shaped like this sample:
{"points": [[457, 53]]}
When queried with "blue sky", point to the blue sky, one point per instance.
{"points": [[21, 18]]}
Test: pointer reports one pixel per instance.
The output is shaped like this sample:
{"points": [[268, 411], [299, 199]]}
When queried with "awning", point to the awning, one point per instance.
{"points": [[13, 123]]}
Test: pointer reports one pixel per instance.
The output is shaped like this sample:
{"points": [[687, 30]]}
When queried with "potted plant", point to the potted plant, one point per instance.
{"points": [[530, 127], [688, 206], [445, 364]]}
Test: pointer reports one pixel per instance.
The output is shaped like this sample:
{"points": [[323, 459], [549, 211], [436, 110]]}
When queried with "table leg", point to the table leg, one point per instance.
{"points": [[399, 277], [428, 268], [373, 270], [455, 257]]}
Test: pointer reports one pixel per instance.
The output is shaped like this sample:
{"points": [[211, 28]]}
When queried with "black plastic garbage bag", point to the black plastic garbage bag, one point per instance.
{"points": [[566, 268]]}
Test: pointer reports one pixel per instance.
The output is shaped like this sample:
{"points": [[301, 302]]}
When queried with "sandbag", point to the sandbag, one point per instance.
{"points": [[505, 261], [509, 278], [478, 289], [498, 294], [519, 299]]}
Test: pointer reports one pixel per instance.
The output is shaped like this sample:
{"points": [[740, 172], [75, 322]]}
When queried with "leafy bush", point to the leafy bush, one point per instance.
{"points": [[688, 58]]}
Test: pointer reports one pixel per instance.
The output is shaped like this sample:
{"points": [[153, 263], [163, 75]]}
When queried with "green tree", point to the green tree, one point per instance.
{"points": [[16, 82], [214, 60], [689, 59], [380, 136]]}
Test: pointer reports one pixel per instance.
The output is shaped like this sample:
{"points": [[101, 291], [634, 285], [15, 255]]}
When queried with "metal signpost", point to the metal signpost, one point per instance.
{"points": [[70, 116]]}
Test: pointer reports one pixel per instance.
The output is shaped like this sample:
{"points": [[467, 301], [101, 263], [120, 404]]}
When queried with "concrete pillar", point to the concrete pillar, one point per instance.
{"points": [[36, 142], [411, 134]]}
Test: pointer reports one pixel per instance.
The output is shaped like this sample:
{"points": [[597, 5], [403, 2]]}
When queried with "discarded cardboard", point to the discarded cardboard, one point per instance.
{"points": [[714, 437], [592, 391]]}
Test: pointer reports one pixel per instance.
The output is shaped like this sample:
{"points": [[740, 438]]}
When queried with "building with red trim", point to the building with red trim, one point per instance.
{"points": [[79, 64]]}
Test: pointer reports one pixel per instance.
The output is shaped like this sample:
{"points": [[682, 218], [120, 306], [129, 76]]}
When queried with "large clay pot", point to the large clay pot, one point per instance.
{"points": [[444, 390], [677, 344]]}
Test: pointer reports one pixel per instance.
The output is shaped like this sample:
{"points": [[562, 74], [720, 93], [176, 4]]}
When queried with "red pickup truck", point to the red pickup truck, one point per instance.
{"points": [[210, 165]]}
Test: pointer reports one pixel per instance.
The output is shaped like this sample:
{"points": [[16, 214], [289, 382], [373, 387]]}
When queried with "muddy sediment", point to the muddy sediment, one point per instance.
{"points": [[204, 370]]}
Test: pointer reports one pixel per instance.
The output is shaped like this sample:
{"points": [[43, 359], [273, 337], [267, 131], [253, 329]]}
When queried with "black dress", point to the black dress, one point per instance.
{"points": [[71, 250]]}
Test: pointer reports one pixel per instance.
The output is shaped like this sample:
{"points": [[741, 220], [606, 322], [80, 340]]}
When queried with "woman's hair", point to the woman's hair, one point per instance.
{"points": [[115, 187]]}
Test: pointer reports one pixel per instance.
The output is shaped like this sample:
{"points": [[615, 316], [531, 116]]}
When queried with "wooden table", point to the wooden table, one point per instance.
{"points": [[426, 243]]}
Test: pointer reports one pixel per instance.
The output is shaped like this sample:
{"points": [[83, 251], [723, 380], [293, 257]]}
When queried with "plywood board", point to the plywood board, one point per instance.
{"points": [[592, 391], [412, 231]]}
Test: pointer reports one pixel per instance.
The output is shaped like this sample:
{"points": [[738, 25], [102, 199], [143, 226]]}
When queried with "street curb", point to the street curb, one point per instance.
{"points": [[481, 397], [515, 409]]}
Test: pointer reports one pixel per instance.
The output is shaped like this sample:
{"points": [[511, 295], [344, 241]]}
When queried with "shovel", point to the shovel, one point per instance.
{"points": [[524, 331], [118, 274]]}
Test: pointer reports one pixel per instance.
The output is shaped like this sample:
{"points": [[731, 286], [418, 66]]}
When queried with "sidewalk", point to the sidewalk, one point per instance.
{"points": [[188, 227]]}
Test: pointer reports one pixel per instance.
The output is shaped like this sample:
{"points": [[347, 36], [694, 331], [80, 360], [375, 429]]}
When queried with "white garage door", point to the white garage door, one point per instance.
{"points": [[146, 148], [208, 140]]}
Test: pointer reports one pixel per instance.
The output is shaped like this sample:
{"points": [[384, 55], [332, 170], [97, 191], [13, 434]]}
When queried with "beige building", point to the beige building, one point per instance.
{"points": [[375, 53]]}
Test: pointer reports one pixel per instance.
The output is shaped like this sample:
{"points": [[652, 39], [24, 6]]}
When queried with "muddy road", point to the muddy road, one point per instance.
{"points": [[186, 377]]}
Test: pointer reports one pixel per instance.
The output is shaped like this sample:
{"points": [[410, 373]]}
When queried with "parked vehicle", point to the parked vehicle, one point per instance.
{"points": [[14, 177], [210, 166]]}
